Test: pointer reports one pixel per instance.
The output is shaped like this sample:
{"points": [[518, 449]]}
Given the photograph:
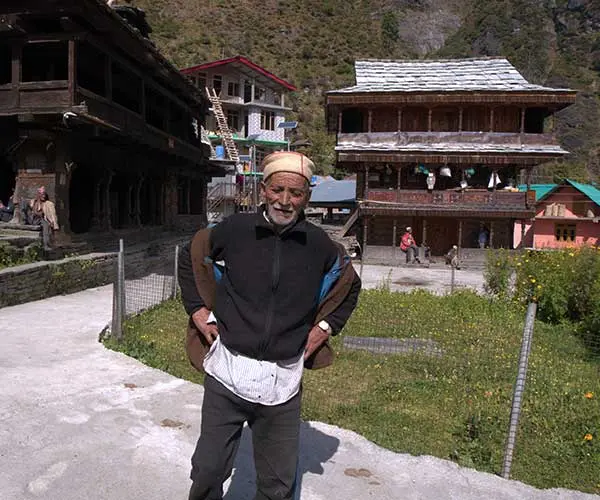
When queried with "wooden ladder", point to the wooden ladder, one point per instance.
{"points": [[223, 127]]}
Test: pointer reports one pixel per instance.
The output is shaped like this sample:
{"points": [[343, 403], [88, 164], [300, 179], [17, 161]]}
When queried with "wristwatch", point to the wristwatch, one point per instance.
{"points": [[323, 325]]}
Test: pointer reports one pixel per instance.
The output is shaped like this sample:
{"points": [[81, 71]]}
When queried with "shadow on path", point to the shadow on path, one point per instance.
{"points": [[316, 448]]}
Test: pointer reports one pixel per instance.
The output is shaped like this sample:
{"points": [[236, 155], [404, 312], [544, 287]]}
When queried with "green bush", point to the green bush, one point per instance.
{"points": [[564, 283]]}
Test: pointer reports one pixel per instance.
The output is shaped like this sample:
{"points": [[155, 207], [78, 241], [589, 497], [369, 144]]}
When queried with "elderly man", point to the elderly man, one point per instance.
{"points": [[40, 211], [409, 246], [263, 329]]}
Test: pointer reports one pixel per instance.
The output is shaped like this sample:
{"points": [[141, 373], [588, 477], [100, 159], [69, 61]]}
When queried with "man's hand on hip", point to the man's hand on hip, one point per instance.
{"points": [[316, 337], [208, 330]]}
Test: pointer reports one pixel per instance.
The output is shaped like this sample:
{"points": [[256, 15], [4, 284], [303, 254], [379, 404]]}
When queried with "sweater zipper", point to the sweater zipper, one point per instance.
{"points": [[264, 345]]}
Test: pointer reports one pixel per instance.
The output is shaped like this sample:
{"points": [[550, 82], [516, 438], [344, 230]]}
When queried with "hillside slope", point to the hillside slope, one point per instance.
{"points": [[313, 44]]}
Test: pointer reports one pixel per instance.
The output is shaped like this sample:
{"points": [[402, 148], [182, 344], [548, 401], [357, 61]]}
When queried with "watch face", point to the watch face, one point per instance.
{"points": [[323, 325]]}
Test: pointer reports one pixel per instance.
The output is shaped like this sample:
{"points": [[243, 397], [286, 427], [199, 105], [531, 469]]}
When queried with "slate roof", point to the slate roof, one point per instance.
{"points": [[334, 192], [440, 75], [446, 147]]}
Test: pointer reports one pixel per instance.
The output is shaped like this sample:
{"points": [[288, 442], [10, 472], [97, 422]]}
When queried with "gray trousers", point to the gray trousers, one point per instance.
{"points": [[275, 433]]}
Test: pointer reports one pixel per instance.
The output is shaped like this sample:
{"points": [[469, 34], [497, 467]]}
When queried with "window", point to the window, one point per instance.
{"points": [[233, 89], [233, 120], [201, 81], [267, 120], [565, 232], [217, 83], [45, 62]]}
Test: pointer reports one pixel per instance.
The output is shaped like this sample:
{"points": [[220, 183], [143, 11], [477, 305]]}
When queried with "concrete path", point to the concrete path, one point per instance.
{"points": [[78, 421]]}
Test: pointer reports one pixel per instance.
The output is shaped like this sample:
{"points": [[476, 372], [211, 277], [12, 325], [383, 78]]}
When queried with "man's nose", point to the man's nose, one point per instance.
{"points": [[285, 198]]}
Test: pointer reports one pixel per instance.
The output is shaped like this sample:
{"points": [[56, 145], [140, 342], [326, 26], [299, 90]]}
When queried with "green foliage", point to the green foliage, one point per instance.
{"points": [[497, 273], [11, 256], [451, 403], [389, 31]]}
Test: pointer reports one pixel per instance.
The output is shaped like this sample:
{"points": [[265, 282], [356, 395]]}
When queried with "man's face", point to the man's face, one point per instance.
{"points": [[286, 195]]}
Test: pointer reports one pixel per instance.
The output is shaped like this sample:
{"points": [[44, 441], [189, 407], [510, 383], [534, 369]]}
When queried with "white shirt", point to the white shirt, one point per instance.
{"points": [[266, 382]]}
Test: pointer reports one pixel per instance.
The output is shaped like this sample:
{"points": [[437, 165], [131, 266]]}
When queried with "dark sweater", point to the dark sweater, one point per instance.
{"points": [[267, 299]]}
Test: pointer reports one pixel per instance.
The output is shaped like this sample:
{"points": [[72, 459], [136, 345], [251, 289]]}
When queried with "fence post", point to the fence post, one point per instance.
{"points": [[519, 389], [175, 280], [119, 295], [452, 277]]}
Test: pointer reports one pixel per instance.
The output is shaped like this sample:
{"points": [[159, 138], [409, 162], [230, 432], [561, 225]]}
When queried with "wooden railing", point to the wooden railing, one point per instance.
{"points": [[471, 197]]}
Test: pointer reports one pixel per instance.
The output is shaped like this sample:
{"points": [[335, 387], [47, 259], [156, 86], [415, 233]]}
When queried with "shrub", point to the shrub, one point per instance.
{"points": [[497, 273]]}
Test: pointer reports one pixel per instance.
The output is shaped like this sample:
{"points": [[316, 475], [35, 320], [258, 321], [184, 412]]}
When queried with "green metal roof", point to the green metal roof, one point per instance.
{"points": [[544, 190], [541, 190], [260, 142], [592, 192]]}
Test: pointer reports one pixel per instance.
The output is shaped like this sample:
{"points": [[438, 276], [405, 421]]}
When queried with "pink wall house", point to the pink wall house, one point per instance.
{"points": [[567, 215]]}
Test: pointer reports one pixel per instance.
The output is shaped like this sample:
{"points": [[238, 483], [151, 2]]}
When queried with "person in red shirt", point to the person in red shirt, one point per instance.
{"points": [[409, 246]]}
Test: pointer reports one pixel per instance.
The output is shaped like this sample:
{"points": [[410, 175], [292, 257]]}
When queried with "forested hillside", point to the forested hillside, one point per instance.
{"points": [[313, 44]]}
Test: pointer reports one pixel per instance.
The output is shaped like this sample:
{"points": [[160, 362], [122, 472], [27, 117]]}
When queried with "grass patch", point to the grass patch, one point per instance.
{"points": [[456, 406]]}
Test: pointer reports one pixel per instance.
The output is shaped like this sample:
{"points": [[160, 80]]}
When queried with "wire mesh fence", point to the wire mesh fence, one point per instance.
{"points": [[457, 374]]}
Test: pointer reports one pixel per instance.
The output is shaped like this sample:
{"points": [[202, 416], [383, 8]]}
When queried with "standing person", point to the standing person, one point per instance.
{"points": [[271, 314], [409, 246], [483, 236]]}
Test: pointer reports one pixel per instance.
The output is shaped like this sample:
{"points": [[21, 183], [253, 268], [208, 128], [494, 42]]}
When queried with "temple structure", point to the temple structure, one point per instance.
{"points": [[92, 111], [441, 145]]}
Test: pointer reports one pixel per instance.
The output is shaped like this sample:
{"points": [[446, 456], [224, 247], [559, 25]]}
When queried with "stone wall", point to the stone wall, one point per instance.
{"points": [[41, 280]]}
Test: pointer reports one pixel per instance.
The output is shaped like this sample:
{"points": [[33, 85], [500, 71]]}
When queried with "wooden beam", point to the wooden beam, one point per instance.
{"points": [[17, 52], [370, 121], [460, 118], [491, 243], [522, 120], [394, 234], [400, 119], [339, 124], [366, 185], [460, 232], [72, 71], [491, 119], [429, 118]]}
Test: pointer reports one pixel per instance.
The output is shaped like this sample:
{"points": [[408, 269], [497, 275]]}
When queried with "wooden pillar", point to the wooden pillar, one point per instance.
{"points": [[491, 242], [424, 235], [522, 120], [364, 245], [72, 71], [394, 235], [460, 119], [523, 222], [429, 117], [138, 204], [370, 121], [491, 119], [339, 124], [460, 232], [366, 186], [399, 119], [108, 77], [17, 52], [398, 181], [107, 222]]}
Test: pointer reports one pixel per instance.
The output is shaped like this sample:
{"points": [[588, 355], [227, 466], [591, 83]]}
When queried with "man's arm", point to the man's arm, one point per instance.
{"points": [[189, 292], [338, 318]]}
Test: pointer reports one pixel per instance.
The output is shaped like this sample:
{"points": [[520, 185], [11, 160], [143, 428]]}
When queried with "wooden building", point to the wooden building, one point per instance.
{"points": [[440, 145], [92, 111]]}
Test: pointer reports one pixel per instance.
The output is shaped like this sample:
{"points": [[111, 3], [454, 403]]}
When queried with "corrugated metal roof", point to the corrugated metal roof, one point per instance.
{"points": [[334, 192], [481, 74], [541, 190], [592, 192], [544, 190]]}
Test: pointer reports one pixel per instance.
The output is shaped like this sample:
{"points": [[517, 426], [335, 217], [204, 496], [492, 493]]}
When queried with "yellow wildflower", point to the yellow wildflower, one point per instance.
{"points": [[588, 437], [589, 395]]}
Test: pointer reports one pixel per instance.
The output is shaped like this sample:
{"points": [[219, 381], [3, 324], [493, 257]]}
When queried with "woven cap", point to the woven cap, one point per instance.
{"points": [[287, 161]]}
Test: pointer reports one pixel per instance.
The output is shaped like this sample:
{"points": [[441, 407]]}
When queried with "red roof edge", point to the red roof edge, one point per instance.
{"points": [[243, 60]]}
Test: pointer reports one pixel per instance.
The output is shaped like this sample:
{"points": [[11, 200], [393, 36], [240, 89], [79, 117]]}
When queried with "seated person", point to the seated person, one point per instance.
{"points": [[7, 211], [452, 257], [409, 246], [40, 211]]}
